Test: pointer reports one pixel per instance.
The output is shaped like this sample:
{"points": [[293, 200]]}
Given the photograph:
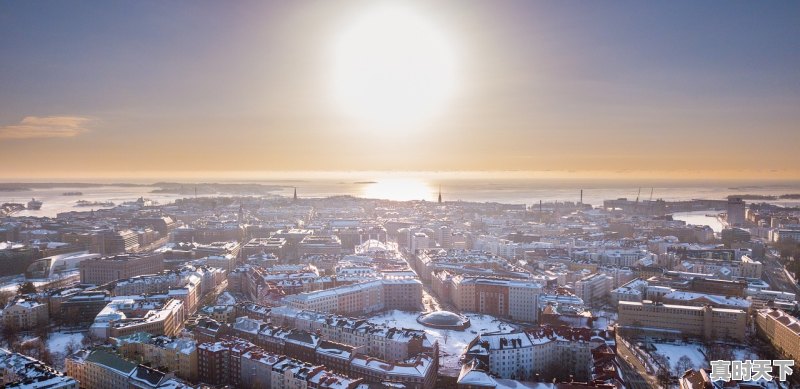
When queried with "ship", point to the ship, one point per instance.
{"points": [[34, 205], [72, 194], [85, 203]]}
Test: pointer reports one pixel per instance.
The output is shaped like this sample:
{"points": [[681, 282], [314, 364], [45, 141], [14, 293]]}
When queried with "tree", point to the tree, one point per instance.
{"points": [[26, 288], [10, 334], [683, 364], [663, 376], [43, 332], [71, 347], [717, 352], [5, 296]]}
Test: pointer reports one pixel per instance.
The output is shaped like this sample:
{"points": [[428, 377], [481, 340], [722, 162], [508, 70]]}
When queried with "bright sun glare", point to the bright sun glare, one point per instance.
{"points": [[398, 189], [392, 67]]}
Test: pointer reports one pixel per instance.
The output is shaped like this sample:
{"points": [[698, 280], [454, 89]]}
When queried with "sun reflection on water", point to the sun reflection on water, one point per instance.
{"points": [[399, 189]]}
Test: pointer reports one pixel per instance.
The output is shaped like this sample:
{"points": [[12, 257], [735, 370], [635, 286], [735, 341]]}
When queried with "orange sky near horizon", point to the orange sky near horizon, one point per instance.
{"points": [[681, 91]]}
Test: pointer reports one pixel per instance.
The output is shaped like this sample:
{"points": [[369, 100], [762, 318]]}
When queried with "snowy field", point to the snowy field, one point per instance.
{"points": [[452, 349], [58, 341], [674, 351]]}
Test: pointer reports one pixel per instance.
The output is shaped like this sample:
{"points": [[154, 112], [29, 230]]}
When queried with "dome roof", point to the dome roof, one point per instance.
{"points": [[443, 319]]}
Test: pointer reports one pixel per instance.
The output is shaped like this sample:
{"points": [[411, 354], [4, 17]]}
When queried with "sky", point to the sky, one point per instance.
{"points": [[608, 87]]}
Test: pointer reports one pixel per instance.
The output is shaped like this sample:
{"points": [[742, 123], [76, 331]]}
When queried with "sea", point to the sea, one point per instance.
{"points": [[423, 186]]}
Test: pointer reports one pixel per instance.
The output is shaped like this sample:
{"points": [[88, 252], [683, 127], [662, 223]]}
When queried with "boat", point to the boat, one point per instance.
{"points": [[72, 194], [34, 204], [85, 203]]}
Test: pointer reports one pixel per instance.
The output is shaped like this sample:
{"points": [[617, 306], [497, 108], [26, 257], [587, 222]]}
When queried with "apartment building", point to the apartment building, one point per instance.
{"points": [[419, 372], [782, 330], [549, 352], [23, 372], [361, 298], [376, 340], [100, 368], [126, 317], [178, 355], [514, 299], [106, 269], [594, 288], [25, 313]]}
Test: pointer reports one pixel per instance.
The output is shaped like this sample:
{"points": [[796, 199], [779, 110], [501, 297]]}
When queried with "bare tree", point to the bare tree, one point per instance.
{"points": [[716, 352], [683, 364], [663, 375], [10, 334], [71, 347]]}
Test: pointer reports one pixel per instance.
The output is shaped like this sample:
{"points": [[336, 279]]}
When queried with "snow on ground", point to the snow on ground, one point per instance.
{"points": [[743, 354], [674, 351], [456, 340], [58, 341], [14, 285]]}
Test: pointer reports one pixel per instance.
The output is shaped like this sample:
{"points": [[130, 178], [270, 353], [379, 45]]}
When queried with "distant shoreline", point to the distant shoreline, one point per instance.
{"points": [[789, 196], [161, 187]]}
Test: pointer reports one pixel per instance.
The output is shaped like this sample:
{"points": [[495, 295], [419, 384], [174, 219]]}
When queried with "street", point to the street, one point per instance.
{"points": [[774, 275], [635, 374]]}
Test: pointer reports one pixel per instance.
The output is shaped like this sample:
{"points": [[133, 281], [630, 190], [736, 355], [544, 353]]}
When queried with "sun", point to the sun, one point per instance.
{"points": [[392, 67]]}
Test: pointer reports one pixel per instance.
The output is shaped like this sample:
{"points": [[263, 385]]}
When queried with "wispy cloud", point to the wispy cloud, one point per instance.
{"points": [[35, 127]]}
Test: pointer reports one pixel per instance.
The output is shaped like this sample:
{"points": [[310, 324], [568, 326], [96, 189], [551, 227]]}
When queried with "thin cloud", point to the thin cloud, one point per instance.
{"points": [[36, 127]]}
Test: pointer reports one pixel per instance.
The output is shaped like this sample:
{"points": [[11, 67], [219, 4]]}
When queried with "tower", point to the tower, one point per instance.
{"points": [[295, 194], [440, 194], [241, 213]]}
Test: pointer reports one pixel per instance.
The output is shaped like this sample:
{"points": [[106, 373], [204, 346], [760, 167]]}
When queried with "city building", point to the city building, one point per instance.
{"points": [[178, 355], [25, 313], [107, 269], [736, 208], [781, 330], [361, 298], [544, 352], [594, 289], [23, 372], [683, 320]]}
